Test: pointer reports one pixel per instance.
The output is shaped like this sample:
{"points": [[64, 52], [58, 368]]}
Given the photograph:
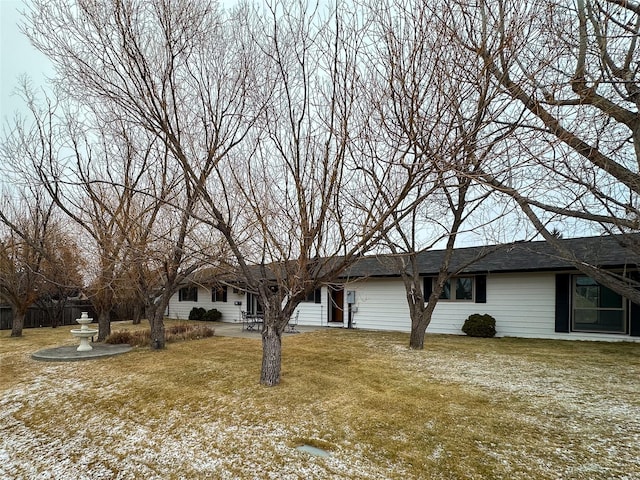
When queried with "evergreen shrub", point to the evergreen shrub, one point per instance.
{"points": [[480, 326], [212, 315], [197, 313]]}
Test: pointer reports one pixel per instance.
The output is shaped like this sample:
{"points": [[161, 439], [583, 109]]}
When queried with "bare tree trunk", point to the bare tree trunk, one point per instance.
{"points": [[271, 354], [416, 339], [420, 320], [55, 318], [137, 313], [18, 321], [155, 314], [157, 333], [104, 325]]}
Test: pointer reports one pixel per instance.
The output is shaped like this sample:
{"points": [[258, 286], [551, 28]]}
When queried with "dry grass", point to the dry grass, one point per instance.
{"points": [[173, 333], [462, 408]]}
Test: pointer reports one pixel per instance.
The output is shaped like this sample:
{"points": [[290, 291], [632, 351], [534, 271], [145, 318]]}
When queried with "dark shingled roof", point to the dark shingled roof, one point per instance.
{"points": [[614, 251]]}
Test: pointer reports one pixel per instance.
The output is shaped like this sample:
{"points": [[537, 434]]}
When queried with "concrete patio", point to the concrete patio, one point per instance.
{"points": [[233, 329]]}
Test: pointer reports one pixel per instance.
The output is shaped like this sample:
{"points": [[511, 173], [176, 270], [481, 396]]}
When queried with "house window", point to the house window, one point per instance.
{"points": [[597, 308], [458, 288], [219, 294], [314, 296], [188, 294]]}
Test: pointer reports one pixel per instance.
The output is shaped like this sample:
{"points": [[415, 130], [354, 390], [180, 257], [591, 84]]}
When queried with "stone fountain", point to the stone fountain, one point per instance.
{"points": [[84, 333]]}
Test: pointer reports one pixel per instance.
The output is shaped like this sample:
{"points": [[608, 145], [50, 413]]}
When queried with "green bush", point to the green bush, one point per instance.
{"points": [[480, 326], [197, 313], [212, 315]]}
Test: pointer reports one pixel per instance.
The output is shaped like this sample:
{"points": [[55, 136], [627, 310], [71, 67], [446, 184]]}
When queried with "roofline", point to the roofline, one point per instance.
{"points": [[387, 271], [490, 272]]}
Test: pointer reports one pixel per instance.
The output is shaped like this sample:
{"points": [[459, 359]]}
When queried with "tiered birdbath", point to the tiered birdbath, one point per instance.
{"points": [[84, 333]]}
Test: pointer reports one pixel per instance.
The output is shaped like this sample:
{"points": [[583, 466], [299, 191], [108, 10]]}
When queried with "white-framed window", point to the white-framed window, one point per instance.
{"points": [[458, 289], [315, 296], [188, 294], [219, 294], [596, 308]]}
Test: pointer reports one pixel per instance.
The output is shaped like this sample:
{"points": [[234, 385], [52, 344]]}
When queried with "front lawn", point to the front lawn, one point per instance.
{"points": [[462, 408]]}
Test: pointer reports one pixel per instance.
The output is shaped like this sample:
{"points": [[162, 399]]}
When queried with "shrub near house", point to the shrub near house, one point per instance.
{"points": [[199, 313], [480, 326]]}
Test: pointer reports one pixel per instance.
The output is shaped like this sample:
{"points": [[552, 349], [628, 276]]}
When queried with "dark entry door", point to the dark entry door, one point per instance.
{"points": [[336, 304]]}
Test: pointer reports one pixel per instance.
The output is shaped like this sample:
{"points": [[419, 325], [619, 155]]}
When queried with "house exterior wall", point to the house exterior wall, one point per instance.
{"points": [[381, 304], [310, 313], [230, 312], [523, 305]]}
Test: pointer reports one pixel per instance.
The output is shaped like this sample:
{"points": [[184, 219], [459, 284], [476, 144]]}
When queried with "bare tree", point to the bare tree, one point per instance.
{"points": [[162, 68], [115, 203], [38, 243], [436, 112], [304, 216], [62, 269], [575, 151], [288, 176], [137, 217], [254, 108], [24, 245]]}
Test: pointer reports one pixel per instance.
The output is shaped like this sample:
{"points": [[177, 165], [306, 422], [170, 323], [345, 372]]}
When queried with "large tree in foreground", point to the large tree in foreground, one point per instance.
{"points": [[302, 213], [575, 153], [255, 108]]}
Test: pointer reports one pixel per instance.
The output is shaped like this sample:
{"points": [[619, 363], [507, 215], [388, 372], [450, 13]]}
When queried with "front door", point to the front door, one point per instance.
{"points": [[336, 305]]}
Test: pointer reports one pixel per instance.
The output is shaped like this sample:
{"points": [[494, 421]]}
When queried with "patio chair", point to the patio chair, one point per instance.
{"points": [[251, 322]]}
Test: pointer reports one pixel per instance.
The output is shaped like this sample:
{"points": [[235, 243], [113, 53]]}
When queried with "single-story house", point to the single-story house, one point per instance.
{"points": [[525, 286]]}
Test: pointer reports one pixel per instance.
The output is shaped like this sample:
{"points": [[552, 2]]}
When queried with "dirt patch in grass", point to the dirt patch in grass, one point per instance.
{"points": [[462, 408]]}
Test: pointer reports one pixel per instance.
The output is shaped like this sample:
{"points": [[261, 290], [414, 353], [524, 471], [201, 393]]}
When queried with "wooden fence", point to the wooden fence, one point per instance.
{"points": [[38, 317]]}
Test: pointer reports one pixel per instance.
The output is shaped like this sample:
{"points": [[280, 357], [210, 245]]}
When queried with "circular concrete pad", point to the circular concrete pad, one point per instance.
{"points": [[71, 354]]}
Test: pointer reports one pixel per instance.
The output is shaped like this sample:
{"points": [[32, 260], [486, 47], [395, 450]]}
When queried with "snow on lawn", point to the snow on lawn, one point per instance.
{"points": [[599, 410], [594, 413], [92, 445]]}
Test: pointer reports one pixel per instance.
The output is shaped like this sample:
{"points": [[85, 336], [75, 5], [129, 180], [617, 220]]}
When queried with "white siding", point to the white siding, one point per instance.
{"points": [[230, 311], [381, 305], [523, 305], [520, 304], [310, 313]]}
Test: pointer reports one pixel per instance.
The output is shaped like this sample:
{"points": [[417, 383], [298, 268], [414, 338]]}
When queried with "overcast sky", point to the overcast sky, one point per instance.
{"points": [[17, 57]]}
